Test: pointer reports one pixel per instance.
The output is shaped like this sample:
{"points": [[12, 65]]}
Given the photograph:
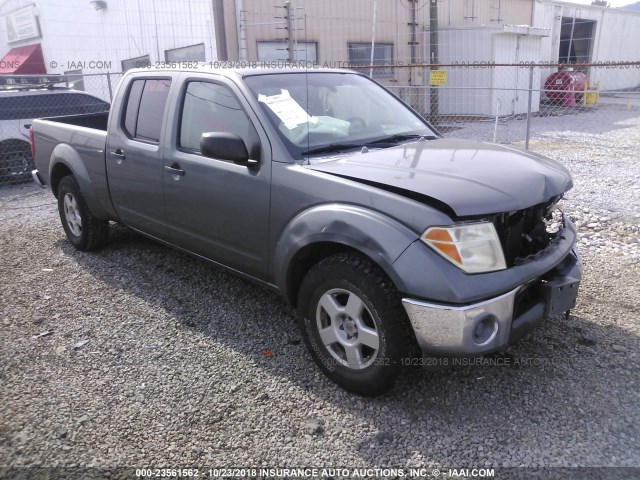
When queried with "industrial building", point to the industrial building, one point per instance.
{"points": [[470, 33]]}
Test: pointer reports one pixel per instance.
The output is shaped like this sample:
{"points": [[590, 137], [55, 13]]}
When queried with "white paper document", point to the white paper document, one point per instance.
{"points": [[287, 109]]}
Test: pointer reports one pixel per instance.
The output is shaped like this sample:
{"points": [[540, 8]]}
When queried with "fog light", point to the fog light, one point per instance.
{"points": [[485, 329]]}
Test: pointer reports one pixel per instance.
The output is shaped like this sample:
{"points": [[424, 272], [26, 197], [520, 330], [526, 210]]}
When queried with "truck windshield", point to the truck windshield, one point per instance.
{"points": [[317, 113]]}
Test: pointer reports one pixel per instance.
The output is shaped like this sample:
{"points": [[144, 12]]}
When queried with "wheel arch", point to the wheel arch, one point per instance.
{"points": [[58, 172], [306, 258], [330, 229], [65, 160]]}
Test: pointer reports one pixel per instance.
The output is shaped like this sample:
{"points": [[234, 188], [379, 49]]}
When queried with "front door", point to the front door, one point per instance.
{"points": [[216, 208]]}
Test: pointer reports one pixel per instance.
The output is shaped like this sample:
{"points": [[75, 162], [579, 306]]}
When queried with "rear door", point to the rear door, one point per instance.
{"points": [[216, 208], [134, 156]]}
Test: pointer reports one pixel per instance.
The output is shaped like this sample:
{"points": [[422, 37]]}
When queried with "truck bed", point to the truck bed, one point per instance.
{"points": [[80, 140], [97, 121]]}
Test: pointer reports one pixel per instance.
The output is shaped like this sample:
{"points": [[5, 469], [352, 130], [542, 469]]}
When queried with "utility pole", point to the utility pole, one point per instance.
{"points": [[433, 58], [289, 18], [414, 77], [373, 37], [241, 28], [414, 42]]}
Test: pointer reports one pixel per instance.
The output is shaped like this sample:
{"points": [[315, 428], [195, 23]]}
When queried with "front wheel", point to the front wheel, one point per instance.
{"points": [[84, 231], [353, 324]]}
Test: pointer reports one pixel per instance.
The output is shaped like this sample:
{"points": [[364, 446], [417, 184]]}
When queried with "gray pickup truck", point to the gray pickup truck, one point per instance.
{"points": [[388, 239]]}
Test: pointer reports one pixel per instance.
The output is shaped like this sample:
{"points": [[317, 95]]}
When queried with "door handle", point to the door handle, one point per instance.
{"points": [[118, 154], [174, 169]]}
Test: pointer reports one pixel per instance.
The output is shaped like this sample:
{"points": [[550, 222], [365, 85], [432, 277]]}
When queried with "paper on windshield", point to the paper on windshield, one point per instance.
{"points": [[287, 109]]}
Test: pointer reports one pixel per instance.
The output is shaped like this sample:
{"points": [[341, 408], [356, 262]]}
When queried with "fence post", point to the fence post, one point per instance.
{"points": [[109, 85], [434, 108], [495, 125], [528, 134]]}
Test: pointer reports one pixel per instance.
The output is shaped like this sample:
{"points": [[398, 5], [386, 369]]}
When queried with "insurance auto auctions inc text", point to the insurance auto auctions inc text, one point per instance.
{"points": [[302, 473]]}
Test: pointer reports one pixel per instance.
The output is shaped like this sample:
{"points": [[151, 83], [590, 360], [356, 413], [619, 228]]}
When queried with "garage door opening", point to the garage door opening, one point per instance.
{"points": [[576, 37]]}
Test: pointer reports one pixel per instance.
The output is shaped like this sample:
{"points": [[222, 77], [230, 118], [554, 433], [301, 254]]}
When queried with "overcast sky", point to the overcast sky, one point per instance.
{"points": [[613, 3]]}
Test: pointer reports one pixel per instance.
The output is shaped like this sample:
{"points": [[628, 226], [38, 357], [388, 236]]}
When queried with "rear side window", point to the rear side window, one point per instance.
{"points": [[133, 102], [145, 108]]}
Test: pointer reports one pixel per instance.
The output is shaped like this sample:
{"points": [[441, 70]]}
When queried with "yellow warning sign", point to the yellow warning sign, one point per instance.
{"points": [[438, 77]]}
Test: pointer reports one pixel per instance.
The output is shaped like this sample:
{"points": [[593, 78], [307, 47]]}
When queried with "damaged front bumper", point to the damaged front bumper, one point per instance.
{"points": [[493, 324]]}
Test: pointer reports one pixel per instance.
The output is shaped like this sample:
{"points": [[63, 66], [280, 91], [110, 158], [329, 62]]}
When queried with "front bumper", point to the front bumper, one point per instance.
{"points": [[493, 324]]}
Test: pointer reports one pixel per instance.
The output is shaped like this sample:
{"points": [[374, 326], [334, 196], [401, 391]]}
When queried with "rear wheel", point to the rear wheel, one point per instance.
{"points": [[16, 162], [84, 231], [353, 324]]}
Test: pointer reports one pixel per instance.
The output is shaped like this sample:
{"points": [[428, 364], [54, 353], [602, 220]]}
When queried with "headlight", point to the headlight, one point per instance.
{"points": [[474, 247]]}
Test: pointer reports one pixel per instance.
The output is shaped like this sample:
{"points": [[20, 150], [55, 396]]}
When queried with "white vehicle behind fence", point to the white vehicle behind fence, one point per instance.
{"points": [[19, 105]]}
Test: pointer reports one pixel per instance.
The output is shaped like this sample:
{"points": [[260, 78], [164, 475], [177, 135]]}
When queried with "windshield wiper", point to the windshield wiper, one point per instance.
{"points": [[391, 139], [400, 138], [332, 147]]}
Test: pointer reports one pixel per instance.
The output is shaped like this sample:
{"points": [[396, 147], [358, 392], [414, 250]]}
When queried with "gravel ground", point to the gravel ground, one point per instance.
{"points": [[154, 359]]}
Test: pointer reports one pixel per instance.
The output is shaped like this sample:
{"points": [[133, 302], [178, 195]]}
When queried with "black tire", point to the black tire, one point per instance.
{"points": [[348, 356], [84, 231], [16, 162]]}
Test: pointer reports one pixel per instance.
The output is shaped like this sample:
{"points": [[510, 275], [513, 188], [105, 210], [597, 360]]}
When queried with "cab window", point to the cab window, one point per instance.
{"points": [[211, 107], [146, 104]]}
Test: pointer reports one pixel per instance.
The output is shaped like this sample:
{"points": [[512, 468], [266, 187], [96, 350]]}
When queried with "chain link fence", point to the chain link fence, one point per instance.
{"points": [[515, 104], [524, 104]]}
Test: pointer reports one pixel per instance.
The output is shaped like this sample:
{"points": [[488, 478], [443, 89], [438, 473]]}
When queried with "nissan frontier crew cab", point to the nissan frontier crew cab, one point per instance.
{"points": [[321, 184]]}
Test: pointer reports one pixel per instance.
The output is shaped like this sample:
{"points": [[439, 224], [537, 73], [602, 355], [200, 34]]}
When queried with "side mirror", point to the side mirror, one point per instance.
{"points": [[225, 146]]}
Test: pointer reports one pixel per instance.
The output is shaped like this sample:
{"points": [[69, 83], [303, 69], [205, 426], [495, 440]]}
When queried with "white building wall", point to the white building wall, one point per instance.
{"points": [[467, 47], [475, 89], [511, 84], [484, 12], [75, 33]]}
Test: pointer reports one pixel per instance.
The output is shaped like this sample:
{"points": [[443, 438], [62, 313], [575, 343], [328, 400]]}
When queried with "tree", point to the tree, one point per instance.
{"points": [[600, 3]]}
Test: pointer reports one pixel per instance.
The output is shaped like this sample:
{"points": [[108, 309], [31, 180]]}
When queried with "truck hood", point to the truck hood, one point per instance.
{"points": [[470, 178]]}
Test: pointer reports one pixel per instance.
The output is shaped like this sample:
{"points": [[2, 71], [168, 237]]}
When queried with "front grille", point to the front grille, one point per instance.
{"points": [[524, 233]]}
